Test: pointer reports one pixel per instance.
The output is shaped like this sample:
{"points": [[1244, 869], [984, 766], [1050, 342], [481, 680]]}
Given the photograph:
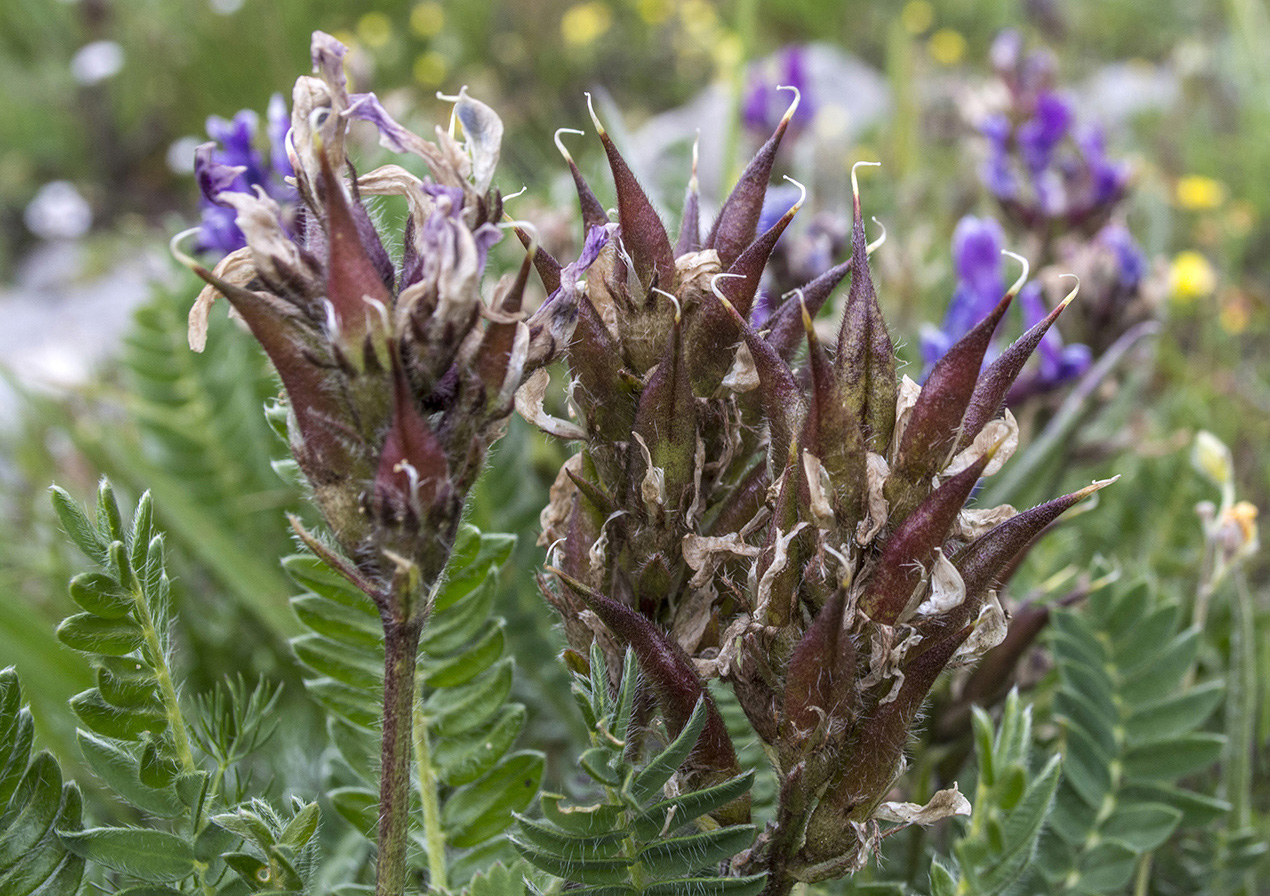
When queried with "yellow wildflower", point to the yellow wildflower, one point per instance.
{"points": [[946, 46], [1195, 192], [1191, 276]]}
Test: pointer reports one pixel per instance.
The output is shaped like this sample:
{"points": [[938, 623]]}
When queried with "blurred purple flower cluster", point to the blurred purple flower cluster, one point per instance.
{"points": [[977, 246], [232, 162], [1046, 169]]}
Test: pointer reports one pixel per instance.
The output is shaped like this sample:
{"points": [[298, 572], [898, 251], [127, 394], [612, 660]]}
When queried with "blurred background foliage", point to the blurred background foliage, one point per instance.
{"points": [[111, 97]]}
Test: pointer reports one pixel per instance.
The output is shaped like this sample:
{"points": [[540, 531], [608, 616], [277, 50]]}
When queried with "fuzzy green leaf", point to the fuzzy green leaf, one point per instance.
{"points": [[653, 777], [677, 856], [118, 770], [101, 595], [89, 633], [112, 721], [463, 759], [147, 855], [455, 711], [482, 810]]}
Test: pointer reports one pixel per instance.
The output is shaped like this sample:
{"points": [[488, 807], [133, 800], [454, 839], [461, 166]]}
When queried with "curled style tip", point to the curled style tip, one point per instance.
{"points": [[855, 182], [675, 301], [714, 288], [793, 104], [595, 119], [1067, 300], [174, 246], [877, 243], [1018, 284], [801, 198], [560, 143]]}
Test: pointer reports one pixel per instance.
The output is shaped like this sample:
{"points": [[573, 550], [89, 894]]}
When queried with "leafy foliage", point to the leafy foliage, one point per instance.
{"points": [[470, 781], [1010, 806], [1131, 730], [136, 735], [35, 806], [634, 840]]}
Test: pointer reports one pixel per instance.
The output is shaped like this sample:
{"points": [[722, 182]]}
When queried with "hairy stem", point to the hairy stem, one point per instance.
{"points": [[433, 832], [167, 690], [401, 647]]}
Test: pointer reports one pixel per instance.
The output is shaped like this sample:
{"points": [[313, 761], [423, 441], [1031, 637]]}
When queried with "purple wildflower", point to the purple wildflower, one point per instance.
{"points": [[977, 245], [1041, 166], [232, 163], [764, 104]]}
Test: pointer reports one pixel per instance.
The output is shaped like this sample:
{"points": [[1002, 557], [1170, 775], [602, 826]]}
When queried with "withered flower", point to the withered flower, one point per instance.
{"points": [[791, 517], [399, 375]]}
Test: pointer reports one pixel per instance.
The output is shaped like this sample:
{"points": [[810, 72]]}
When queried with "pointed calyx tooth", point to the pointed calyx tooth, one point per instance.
{"points": [[596, 361], [352, 276], [910, 551], [642, 232], [830, 432], [737, 223], [781, 397], [780, 563], [674, 680], [934, 427], [593, 214], [291, 348], [751, 263], [982, 560], [865, 363], [412, 465], [995, 382], [785, 327], [876, 747], [666, 417], [547, 267], [690, 227], [820, 679], [499, 338]]}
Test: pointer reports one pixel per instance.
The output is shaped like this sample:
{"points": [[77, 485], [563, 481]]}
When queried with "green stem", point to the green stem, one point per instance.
{"points": [[1242, 707], [167, 690], [401, 647], [431, 803]]}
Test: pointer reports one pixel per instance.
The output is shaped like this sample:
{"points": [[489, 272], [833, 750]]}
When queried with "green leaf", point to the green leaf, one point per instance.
{"points": [[338, 661], [677, 856], [583, 821], [455, 711], [561, 844], [461, 760], [111, 721], [653, 777], [301, 828], [127, 682], [583, 871], [1143, 828], [1165, 719], [691, 805], [101, 595], [484, 809], [358, 805], [338, 621], [88, 633], [1175, 758], [942, 881], [450, 629], [32, 811], [710, 886], [469, 662], [498, 880], [118, 771], [77, 527], [146, 855]]}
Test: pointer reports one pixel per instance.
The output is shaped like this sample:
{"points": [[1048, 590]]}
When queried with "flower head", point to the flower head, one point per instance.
{"points": [[399, 376], [796, 528]]}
